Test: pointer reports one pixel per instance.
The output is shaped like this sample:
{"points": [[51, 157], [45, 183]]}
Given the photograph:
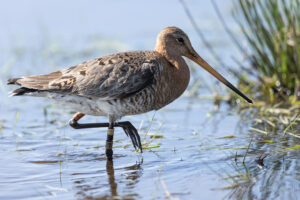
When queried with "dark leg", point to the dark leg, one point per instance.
{"points": [[128, 128], [109, 142], [74, 123]]}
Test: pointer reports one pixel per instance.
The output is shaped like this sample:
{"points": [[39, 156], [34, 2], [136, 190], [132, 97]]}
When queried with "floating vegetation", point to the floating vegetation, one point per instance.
{"points": [[16, 120], [1, 124], [292, 148], [259, 131], [21, 149], [267, 141], [226, 137], [224, 148], [155, 136], [45, 161], [151, 147]]}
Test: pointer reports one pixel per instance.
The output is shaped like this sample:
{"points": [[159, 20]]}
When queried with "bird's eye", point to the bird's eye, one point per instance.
{"points": [[180, 40]]}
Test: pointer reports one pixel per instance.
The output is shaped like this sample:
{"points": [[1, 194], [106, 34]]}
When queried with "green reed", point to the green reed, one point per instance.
{"points": [[272, 31]]}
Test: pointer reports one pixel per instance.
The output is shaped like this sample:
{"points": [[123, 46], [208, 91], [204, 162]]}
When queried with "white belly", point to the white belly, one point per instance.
{"points": [[116, 108], [83, 105]]}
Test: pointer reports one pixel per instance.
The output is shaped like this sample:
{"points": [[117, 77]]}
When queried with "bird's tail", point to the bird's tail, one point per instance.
{"points": [[13, 81], [20, 91], [32, 85]]}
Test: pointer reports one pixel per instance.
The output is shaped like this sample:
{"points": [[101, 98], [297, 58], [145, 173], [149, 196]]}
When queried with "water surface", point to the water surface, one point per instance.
{"points": [[196, 149]]}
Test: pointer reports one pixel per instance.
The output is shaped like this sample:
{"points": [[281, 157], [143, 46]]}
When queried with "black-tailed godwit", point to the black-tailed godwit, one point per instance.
{"points": [[121, 84]]}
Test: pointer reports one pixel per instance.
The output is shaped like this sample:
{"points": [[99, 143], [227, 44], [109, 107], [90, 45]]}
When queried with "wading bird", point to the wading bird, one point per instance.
{"points": [[121, 84]]}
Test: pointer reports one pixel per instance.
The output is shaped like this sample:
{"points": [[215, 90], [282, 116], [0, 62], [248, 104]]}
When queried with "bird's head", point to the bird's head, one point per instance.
{"points": [[172, 41]]}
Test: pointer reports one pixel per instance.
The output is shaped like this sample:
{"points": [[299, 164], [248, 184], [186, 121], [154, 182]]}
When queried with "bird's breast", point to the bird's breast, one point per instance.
{"points": [[171, 83]]}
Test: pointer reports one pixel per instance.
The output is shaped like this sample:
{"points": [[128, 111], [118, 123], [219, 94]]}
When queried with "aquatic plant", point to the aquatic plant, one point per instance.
{"points": [[272, 31]]}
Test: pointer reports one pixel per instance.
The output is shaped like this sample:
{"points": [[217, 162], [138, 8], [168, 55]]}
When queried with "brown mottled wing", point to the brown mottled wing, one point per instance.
{"points": [[109, 77]]}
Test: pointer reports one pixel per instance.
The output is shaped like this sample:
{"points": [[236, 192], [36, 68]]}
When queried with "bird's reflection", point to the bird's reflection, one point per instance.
{"points": [[111, 177], [97, 188]]}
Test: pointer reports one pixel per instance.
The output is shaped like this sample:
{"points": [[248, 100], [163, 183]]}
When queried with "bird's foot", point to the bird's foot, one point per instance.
{"points": [[131, 131]]}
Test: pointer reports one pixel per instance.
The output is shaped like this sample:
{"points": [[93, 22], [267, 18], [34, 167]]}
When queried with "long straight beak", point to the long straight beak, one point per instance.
{"points": [[197, 59]]}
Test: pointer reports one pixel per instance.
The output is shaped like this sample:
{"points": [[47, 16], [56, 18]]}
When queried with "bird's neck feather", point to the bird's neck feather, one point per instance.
{"points": [[175, 59]]}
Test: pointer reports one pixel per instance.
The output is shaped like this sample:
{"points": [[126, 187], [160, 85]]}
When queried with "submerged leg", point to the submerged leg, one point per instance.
{"points": [[109, 141]]}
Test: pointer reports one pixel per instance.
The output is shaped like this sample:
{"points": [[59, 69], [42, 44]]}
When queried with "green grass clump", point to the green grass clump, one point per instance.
{"points": [[272, 31]]}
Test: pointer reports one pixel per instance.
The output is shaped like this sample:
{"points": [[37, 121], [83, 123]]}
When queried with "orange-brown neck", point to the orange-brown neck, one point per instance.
{"points": [[175, 77], [170, 54]]}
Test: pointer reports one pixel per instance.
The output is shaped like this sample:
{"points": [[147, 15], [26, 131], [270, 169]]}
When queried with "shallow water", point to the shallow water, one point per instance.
{"points": [[198, 149]]}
